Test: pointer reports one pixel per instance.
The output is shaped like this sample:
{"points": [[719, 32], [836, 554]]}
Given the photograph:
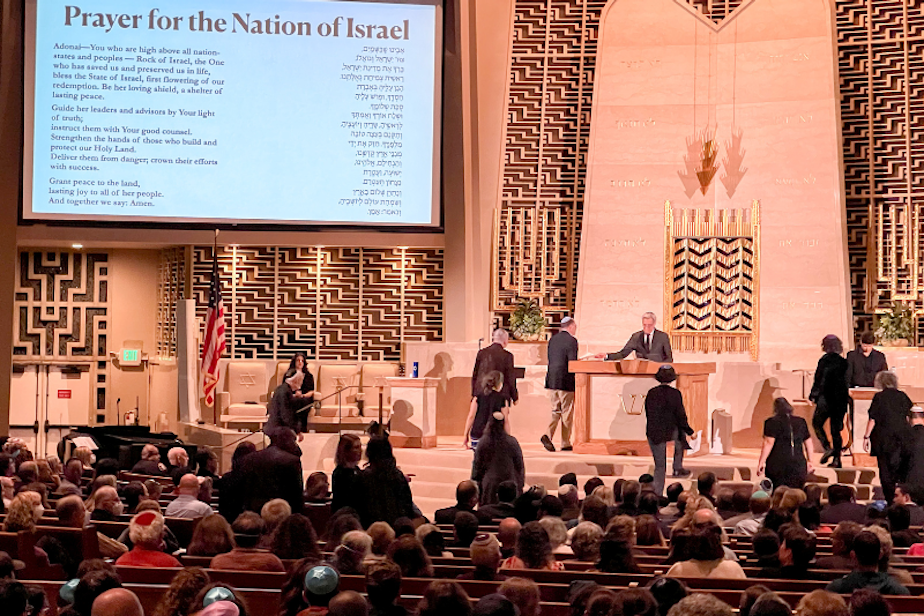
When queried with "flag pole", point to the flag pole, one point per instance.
{"points": [[215, 397]]}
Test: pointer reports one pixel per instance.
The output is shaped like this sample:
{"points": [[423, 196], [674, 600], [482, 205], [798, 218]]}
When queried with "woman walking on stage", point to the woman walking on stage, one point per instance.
{"points": [[787, 451], [888, 433], [487, 401], [829, 393]]}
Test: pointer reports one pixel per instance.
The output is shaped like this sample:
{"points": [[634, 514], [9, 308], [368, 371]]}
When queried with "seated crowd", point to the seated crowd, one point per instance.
{"points": [[357, 545]]}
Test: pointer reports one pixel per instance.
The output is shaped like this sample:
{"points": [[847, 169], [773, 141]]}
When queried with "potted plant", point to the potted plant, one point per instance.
{"points": [[527, 321], [896, 327]]}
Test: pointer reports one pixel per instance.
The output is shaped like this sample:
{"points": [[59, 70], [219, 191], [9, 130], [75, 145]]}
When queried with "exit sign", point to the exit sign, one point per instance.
{"points": [[130, 357]]}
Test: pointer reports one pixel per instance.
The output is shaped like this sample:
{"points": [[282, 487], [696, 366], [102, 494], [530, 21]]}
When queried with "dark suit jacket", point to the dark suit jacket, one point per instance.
{"points": [[448, 515], [563, 347], [490, 358], [832, 514], [862, 370], [659, 350], [665, 413], [272, 473], [830, 383], [498, 511]]}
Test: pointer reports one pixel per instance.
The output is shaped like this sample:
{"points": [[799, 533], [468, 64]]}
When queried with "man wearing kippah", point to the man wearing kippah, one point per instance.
{"points": [[559, 380]]}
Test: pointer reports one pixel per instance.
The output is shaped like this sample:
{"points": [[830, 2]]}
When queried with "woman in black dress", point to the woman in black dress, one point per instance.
{"points": [[787, 452], [487, 401], [498, 458], [343, 479], [888, 433], [829, 393], [383, 493]]}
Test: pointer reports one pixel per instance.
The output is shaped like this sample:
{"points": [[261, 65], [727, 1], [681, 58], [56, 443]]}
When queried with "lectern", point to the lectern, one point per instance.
{"points": [[692, 381]]}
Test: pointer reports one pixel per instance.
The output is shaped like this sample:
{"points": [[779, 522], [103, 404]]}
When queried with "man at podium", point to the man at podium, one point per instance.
{"points": [[650, 343]]}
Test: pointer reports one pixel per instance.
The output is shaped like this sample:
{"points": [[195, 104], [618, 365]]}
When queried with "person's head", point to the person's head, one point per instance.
{"points": [[631, 490], [899, 518], [299, 361], [342, 522], [146, 530], [383, 583], [706, 542], [445, 598], [507, 491], [294, 538], [379, 452], [485, 552], [348, 603], [293, 378], [248, 528], [85, 456], [635, 602], [832, 344], [181, 594], [206, 461], [533, 546], [765, 543], [595, 510], [569, 325], [585, 541], [219, 599], [821, 603], [243, 450], [284, 439], [382, 535], [523, 593], [700, 604], [649, 320], [917, 416], [759, 503], [649, 503], [408, 553], [842, 537], [355, 546], [866, 548], [601, 602], [886, 380], [622, 528], [19, 515], [723, 499], [568, 479], [867, 341], [868, 602], [465, 527], [501, 337], [616, 552], [133, 493], [188, 486], [431, 538], [568, 496], [467, 494], [903, 495], [782, 407], [492, 381], [13, 597], [117, 602], [591, 484], [507, 532], [178, 457], [28, 472], [555, 527], [749, 597], [71, 512], [797, 546], [317, 487], [349, 450], [648, 531], [666, 374], [212, 536], [495, 604], [273, 513], [154, 489], [605, 493], [770, 604], [73, 471], [705, 483], [92, 585], [840, 493], [150, 453], [667, 592]]}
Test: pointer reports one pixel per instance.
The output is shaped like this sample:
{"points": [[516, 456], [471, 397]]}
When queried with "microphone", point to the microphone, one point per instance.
{"points": [[480, 340]]}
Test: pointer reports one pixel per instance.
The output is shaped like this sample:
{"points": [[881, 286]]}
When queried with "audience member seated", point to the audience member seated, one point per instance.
{"points": [[20, 516], [885, 555], [218, 599], [550, 505], [231, 485], [445, 598], [724, 504], [431, 538], [758, 506], [671, 512], [595, 510], [523, 593], [668, 592], [8, 489], [705, 485], [181, 594], [132, 494], [171, 544], [679, 546], [342, 522], [407, 552], [117, 602], [495, 604], [570, 502], [187, 503], [770, 604], [106, 505], [701, 604], [466, 500], [507, 532], [309, 589], [248, 528], [821, 603], [630, 493], [591, 484], [899, 522], [766, 548], [526, 507], [146, 530], [585, 542], [294, 539], [903, 496], [347, 458], [50, 480], [317, 488], [382, 491], [707, 558], [348, 603], [533, 550], [178, 463], [558, 534], [404, 526], [154, 489], [866, 574], [206, 462], [352, 553], [797, 549], [507, 493], [486, 556], [841, 506], [273, 512], [866, 602], [71, 514], [616, 552], [382, 537], [85, 456], [14, 598], [841, 547], [211, 537], [741, 503], [465, 527], [648, 531], [150, 463]]}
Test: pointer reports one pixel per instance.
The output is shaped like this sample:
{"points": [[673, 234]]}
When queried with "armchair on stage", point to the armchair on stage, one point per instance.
{"points": [[246, 395]]}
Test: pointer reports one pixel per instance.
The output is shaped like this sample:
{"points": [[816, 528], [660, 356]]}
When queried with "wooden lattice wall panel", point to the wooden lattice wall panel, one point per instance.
{"points": [[550, 87], [331, 303], [171, 284], [715, 10], [881, 63]]}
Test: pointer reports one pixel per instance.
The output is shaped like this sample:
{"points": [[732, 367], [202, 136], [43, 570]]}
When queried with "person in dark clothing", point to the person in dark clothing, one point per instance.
{"points": [[507, 492], [787, 450], [865, 362], [916, 461], [899, 523], [383, 587], [841, 506], [466, 500], [867, 573], [495, 357], [888, 434], [797, 549], [559, 380], [150, 463], [283, 407], [667, 421], [343, 479], [649, 343], [829, 393], [305, 393], [275, 472], [766, 547], [383, 492], [498, 458], [488, 400], [903, 496], [230, 485]]}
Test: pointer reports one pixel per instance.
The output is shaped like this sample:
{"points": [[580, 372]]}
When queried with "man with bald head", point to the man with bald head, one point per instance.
{"points": [[150, 463], [495, 357], [72, 514], [117, 602], [187, 503], [466, 500], [348, 603], [507, 532]]}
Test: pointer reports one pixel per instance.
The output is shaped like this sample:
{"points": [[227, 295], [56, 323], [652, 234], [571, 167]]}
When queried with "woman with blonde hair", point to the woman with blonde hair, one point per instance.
{"points": [[85, 456], [21, 515], [606, 494]]}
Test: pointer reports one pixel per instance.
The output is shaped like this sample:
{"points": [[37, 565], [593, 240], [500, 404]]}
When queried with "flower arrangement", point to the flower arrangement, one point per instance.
{"points": [[527, 321], [896, 324]]}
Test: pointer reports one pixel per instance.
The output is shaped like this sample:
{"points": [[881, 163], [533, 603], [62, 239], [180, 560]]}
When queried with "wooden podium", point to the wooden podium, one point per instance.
{"points": [[692, 381]]}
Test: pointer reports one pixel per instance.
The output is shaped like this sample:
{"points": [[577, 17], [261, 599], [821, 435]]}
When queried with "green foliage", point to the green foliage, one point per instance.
{"points": [[897, 323], [527, 321]]}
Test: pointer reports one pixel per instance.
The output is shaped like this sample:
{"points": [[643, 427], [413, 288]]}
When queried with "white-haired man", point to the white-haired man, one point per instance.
{"points": [[649, 343], [496, 357], [150, 463]]}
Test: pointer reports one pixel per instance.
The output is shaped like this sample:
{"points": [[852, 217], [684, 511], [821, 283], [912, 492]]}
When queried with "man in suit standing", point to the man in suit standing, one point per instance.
{"points": [[275, 472], [559, 380], [495, 357], [650, 343]]}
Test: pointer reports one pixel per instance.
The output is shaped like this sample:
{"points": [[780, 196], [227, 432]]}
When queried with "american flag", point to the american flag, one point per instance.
{"points": [[214, 337]]}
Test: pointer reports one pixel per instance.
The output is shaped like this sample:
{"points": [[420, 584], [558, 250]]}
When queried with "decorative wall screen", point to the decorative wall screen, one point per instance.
{"points": [[550, 87], [331, 303], [712, 287], [171, 285]]}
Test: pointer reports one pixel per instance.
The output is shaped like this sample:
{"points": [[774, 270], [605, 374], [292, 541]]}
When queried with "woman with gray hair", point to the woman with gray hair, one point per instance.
{"points": [[888, 433], [585, 542]]}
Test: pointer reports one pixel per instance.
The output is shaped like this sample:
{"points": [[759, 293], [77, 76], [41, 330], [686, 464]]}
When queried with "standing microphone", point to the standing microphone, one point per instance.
{"points": [[118, 412], [480, 340]]}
